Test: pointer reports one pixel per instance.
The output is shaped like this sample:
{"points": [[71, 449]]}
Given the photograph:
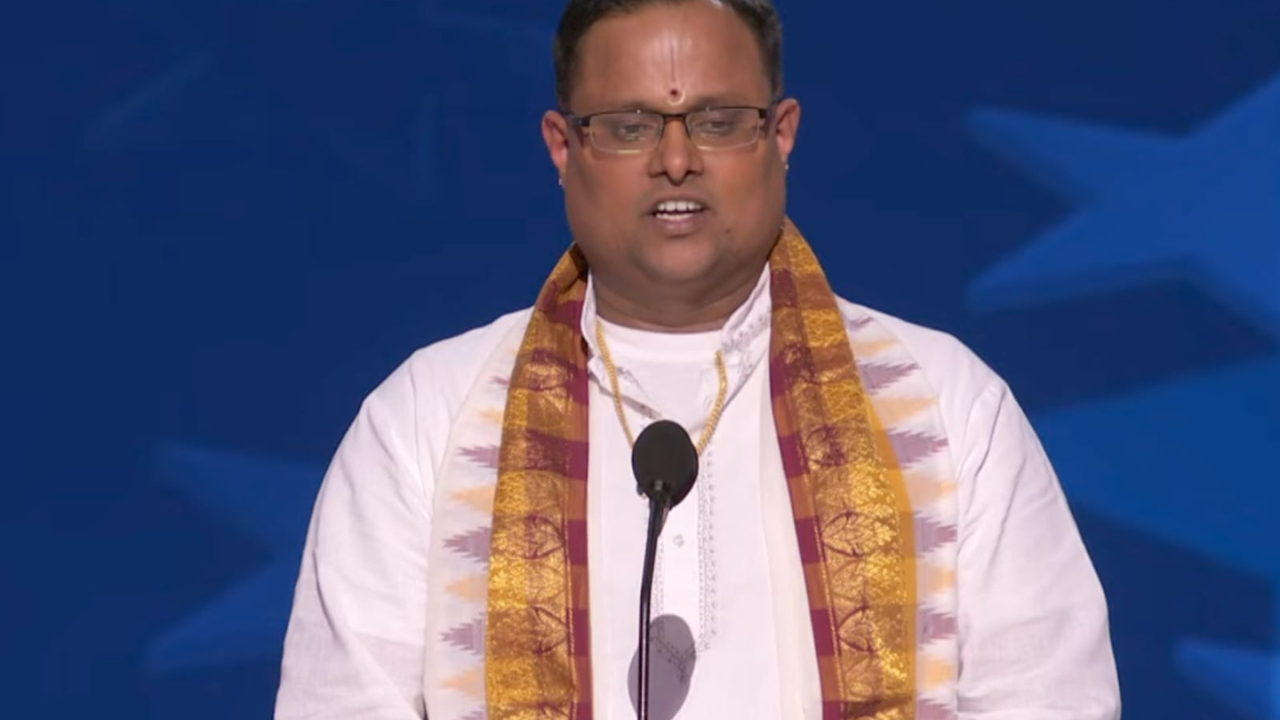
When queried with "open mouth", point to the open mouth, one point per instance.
{"points": [[676, 210]]}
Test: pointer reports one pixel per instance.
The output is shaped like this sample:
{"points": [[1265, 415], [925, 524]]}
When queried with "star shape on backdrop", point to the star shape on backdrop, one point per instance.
{"points": [[268, 500], [1205, 208]]}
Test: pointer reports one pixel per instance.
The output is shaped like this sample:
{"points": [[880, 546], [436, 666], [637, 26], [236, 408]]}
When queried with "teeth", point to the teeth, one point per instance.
{"points": [[679, 206]]}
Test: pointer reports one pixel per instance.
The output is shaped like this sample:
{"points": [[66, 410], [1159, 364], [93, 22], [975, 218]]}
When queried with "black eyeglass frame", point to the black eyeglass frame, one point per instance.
{"points": [[583, 122]]}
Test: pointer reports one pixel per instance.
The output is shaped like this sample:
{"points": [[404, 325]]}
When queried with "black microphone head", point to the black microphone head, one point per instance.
{"points": [[665, 462]]}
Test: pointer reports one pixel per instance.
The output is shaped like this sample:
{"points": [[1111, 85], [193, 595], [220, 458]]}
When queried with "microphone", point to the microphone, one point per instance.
{"points": [[665, 464]]}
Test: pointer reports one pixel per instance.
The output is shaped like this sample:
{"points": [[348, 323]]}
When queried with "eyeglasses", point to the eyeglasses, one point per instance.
{"points": [[640, 131]]}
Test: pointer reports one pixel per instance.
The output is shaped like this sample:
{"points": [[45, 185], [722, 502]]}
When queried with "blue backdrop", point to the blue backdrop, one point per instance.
{"points": [[224, 221]]}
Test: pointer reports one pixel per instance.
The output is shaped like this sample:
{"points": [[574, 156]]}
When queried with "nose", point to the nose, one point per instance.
{"points": [[676, 156]]}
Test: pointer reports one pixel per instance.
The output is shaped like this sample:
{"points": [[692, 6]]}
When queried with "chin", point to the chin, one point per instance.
{"points": [[680, 267]]}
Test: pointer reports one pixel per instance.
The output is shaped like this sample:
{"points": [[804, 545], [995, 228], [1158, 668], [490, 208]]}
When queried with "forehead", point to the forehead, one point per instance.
{"points": [[699, 48]]}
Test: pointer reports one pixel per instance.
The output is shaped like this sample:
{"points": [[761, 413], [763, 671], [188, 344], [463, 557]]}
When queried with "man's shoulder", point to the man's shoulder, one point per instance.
{"points": [[959, 381], [456, 361], [955, 371], [436, 377], [464, 350]]}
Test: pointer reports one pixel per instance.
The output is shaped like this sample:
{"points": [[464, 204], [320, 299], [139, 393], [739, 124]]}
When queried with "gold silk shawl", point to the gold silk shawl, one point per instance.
{"points": [[853, 519]]}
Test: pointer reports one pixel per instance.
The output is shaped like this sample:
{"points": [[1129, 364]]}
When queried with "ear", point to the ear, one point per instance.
{"points": [[786, 125], [555, 133]]}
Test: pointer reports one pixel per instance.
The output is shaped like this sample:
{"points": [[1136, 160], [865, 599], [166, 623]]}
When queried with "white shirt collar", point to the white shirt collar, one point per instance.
{"points": [[743, 339]]}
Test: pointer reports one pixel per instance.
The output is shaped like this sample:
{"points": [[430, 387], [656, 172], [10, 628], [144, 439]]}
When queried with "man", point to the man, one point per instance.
{"points": [[875, 531]]}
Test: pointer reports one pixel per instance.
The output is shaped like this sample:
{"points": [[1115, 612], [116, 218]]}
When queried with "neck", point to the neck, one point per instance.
{"points": [[672, 312]]}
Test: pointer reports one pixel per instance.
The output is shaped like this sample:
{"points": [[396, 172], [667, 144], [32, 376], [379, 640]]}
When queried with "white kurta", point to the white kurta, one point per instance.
{"points": [[734, 638]]}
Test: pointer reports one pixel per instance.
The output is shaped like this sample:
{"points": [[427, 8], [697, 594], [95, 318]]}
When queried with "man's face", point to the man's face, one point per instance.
{"points": [[671, 59]]}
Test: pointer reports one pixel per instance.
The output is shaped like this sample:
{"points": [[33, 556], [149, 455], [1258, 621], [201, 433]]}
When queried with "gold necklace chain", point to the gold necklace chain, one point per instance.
{"points": [[716, 409]]}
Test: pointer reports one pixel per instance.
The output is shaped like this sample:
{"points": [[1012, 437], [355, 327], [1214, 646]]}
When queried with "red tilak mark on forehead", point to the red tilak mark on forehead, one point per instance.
{"points": [[675, 92]]}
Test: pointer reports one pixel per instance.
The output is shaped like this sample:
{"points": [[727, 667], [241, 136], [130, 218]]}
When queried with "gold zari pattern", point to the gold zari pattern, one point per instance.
{"points": [[852, 516]]}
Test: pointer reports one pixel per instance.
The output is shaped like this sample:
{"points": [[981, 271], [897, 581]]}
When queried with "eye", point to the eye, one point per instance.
{"points": [[719, 123], [630, 131], [718, 126], [628, 127]]}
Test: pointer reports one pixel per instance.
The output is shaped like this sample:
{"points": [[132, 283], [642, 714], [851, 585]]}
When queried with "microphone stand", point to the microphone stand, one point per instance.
{"points": [[657, 516], [665, 463]]}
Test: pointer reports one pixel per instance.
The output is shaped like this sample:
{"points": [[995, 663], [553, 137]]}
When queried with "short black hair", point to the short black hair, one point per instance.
{"points": [[580, 15]]}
